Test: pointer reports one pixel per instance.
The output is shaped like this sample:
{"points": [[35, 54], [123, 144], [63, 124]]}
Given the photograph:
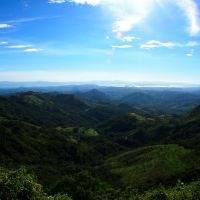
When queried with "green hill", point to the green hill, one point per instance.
{"points": [[52, 110], [153, 165], [97, 150], [52, 152]]}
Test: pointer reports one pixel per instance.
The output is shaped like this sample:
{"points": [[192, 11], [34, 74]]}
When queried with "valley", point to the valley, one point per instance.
{"points": [[88, 145]]}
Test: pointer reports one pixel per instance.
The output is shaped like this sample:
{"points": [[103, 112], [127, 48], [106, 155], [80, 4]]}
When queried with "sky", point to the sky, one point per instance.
{"points": [[90, 40]]}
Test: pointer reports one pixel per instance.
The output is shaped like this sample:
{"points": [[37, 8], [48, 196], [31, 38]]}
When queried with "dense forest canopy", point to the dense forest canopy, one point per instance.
{"points": [[87, 145]]}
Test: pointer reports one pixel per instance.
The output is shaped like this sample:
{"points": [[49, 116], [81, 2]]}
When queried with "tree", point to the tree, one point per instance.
{"points": [[17, 185]]}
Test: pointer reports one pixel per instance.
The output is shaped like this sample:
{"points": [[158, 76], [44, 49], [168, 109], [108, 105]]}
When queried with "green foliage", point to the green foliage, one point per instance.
{"points": [[18, 185], [51, 110], [158, 195], [66, 142], [42, 149], [59, 197], [180, 192], [80, 186], [149, 166], [165, 102]]}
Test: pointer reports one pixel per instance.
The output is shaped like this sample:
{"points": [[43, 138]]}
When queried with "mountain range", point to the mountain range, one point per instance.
{"points": [[98, 144]]}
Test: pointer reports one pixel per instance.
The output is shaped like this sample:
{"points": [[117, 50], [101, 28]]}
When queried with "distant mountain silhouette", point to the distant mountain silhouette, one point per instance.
{"points": [[95, 95]]}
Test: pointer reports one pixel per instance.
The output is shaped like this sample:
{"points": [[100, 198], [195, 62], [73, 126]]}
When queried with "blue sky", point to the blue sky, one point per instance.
{"points": [[85, 40]]}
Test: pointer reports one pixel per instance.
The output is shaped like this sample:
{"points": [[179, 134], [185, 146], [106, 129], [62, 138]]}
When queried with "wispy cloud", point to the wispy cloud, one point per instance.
{"points": [[33, 50], [24, 48], [191, 12], [56, 1], [30, 19], [152, 44], [191, 53], [2, 26], [131, 13], [89, 2], [19, 46], [3, 42], [157, 44], [192, 44], [127, 13], [13, 23], [126, 38], [129, 38], [122, 46], [25, 3]]}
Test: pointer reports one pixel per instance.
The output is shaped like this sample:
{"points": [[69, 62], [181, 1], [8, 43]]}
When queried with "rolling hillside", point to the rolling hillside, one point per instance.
{"points": [[153, 165], [97, 150], [56, 109]]}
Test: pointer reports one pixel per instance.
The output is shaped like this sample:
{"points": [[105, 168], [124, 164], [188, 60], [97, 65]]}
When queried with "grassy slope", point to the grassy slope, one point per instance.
{"points": [[151, 165]]}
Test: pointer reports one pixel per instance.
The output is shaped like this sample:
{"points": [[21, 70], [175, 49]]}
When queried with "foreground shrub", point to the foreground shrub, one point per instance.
{"points": [[180, 192], [18, 185]]}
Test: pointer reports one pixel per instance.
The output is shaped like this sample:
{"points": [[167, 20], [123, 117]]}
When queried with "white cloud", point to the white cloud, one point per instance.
{"points": [[19, 46], [3, 42], [158, 44], [33, 50], [25, 48], [30, 19], [126, 24], [191, 53], [129, 38], [90, 2], [126, 38], [127, 13], [5, 26], [130, 13], [191, 11], [122, 46], [192, 44], [56, 1]]}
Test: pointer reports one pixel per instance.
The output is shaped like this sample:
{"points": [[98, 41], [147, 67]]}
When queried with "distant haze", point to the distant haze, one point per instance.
{"points": [[117, 83]]}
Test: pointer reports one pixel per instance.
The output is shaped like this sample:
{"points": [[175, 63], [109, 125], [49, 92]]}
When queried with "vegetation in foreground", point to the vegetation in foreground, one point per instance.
{"points": [[115, 153], [21, 185]]}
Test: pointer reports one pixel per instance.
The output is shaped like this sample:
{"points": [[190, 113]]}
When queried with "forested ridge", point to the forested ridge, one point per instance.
{"points": [[88, 146]]}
